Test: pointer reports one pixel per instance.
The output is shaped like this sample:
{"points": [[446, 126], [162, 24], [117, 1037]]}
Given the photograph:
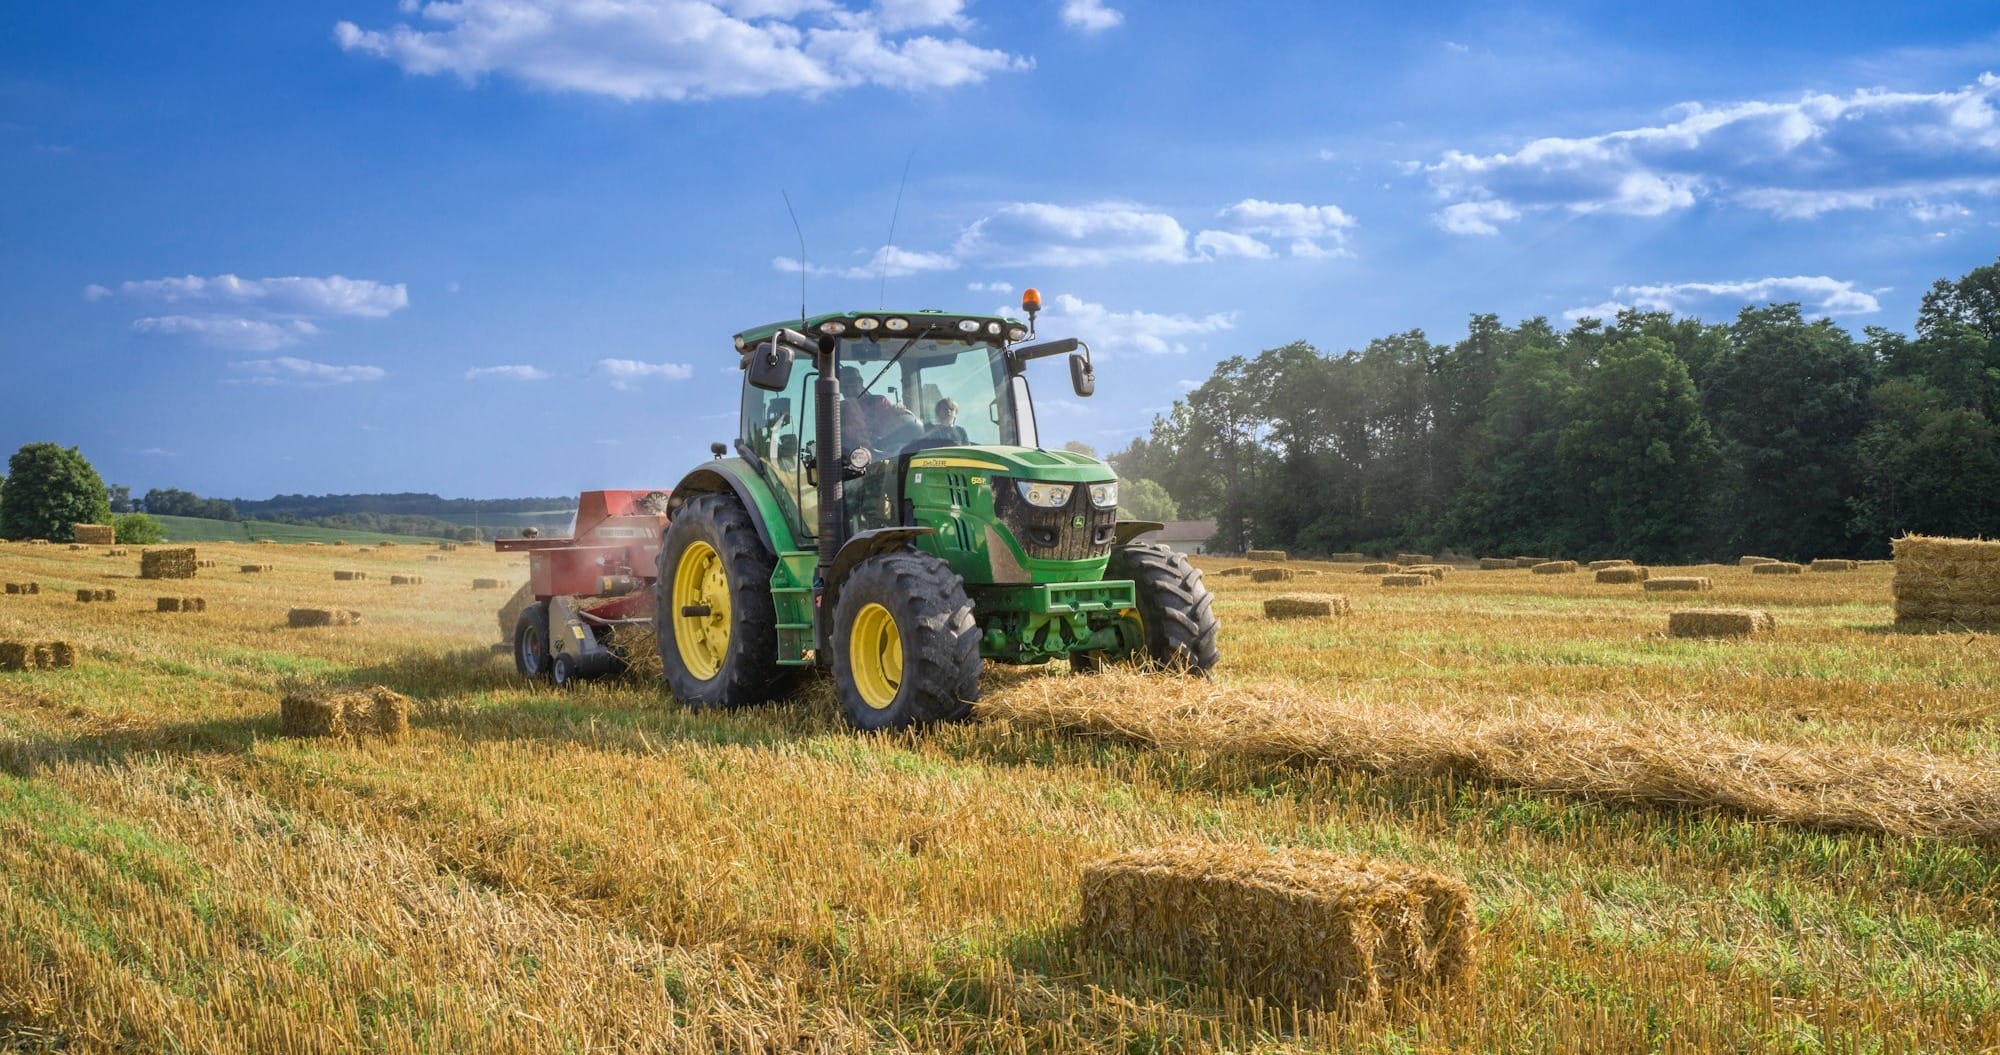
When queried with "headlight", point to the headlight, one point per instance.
{"points": [[1047, 496], [1105, 495]]}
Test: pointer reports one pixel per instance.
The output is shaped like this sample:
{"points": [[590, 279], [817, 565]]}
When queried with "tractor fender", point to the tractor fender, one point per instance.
{"points": [[863, 546], [1127, 530], [734, 476]]}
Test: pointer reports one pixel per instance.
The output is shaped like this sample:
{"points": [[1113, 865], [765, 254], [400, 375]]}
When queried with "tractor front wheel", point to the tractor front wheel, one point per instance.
{"points": [[905, 645], [1176, 613], [713, 614]]}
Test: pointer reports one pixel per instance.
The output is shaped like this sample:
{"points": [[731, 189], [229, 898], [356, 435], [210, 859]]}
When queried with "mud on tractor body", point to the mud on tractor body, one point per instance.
{"points": [[889, 514]]}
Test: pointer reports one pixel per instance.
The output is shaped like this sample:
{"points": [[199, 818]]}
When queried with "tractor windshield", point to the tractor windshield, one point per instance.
{"points": [[898, 393]]}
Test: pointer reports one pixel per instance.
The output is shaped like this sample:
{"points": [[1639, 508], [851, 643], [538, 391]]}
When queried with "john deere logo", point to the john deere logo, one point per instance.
{"points": [[1076, 522]]}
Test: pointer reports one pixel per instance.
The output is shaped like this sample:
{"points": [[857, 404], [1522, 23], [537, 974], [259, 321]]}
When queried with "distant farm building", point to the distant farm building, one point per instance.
{"points": [[1184, 536]]}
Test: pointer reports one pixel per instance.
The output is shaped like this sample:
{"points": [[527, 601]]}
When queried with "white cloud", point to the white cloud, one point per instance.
{"points": [[1145, 331], [234, 334], [514, 372], [887, 262], [990, 287], [1798, 159], [1090, 16], [1475, 217], [1818, 293], [1040, 234], [253, 314], [335, 296], [286, 370], [689, 49], [1217, 244], [626, 374]]}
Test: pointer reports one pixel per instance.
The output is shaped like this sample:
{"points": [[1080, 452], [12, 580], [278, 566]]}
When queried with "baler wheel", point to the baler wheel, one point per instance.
{"points": [[531, 642]]}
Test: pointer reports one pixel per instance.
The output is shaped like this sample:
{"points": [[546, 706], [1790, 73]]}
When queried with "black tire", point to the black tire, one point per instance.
{"points": [[939, 642], [748, 672], [562, 671], [531, 642], [1176, 611]]}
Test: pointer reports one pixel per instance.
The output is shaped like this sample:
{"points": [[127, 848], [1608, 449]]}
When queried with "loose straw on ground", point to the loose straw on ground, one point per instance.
{"points": [[1658, 762]]}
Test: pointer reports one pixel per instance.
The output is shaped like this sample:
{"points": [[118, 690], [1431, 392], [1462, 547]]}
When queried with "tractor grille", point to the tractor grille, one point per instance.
{"points": [[1056, 534]]}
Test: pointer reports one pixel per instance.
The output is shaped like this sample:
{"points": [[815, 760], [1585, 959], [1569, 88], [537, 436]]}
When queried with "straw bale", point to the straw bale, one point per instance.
{"points": [[1947, 580], [1777, 567], [1305, 605], [181, 604], [1623, 573], [167, 564], [1495, 563], [405, 580], [1408, 579], [118, 551], [1435, 571], [31, 587], [15, 587], [204, 563], [44, 657], [38, 542], [1554, 567], [252, 568], [1301, 927], [322, 617], [1720, 622], [435, 558], [349, 576], [76, 547], [385, 543], [1347, 558], [340, 542], [639, 648], [1380, 568], [167, 604], [15, 655], [447, 546], [1832, 564], [365, 549], [62, 655], [1266, 555], [1238, 570], [1600, 565], [90, 595], [356, 713], [1529, 562], [1415, 558], [1751, 562], [487, 584], [1679, 582], [1273, 575], [94, 534]]}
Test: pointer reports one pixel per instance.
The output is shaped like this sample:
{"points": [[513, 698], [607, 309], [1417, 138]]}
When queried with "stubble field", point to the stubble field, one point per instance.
{"points": [[1785, 843]]}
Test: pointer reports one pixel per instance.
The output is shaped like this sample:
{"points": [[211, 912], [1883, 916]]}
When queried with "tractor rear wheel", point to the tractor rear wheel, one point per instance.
{"points": [[1176, 613], [531, 641], [905, 645], [713, 613]]}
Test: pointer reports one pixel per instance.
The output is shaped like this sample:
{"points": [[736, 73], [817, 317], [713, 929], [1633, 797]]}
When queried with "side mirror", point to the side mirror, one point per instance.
{"points": [[1082, 376], [1019, 358], [769, 366]]}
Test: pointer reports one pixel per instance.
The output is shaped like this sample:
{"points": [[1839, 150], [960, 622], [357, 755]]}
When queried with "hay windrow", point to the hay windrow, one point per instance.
{"points": [[1672, 583], [1665, 763], [1306, 606], [1297, 926]]}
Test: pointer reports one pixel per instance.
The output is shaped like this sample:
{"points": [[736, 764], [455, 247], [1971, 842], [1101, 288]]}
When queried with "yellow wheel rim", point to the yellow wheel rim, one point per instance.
{"points": [[875, 655], [701, 610]]}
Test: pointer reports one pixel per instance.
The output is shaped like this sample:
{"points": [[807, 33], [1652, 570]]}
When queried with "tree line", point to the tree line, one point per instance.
{"points": [[1652, 436]]}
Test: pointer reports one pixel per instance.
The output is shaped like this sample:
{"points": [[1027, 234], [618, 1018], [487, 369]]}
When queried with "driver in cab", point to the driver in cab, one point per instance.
{"points": [[870, 418]]}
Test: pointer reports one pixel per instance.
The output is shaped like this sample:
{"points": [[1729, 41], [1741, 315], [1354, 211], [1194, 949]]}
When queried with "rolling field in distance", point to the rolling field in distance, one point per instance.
{"points": [[602, 869], [198, 529]]}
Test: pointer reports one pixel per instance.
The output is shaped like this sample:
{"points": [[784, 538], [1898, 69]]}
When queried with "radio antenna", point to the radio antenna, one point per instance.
{"points": [[802, 251], [882, 296]]}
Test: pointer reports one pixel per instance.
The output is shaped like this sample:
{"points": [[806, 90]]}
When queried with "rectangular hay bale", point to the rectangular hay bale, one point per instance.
{"points": [[94, 534], [1435, 571], [1407, 579], [486, 584], [1679, 582], [1495, 563], [1301, 927], [1273, 575], [352, 713], [167, 564], [406, 580], [1600, 565], [349, 576], [251, 569], [1777, 567], [1305, 606], [1947, 581], [1831, 564], [1751, 562], [167, 604], [1554, 567], [14, 655], [1529, 562], [1380, 568], [1347, 558], [1719, 622], [62, 655], [302, 617], [1622, 573], [1415, 558]]}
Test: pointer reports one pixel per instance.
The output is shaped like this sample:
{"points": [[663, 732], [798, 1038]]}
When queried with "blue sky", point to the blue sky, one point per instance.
{"points": [[497, 247]]}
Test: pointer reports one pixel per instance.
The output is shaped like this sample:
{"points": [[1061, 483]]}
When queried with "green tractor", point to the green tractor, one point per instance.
{"points": [[890, 515]]}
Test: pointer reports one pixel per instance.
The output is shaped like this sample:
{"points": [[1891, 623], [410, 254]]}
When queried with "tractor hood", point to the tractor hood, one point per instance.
{"points": [[1025, 463]]}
